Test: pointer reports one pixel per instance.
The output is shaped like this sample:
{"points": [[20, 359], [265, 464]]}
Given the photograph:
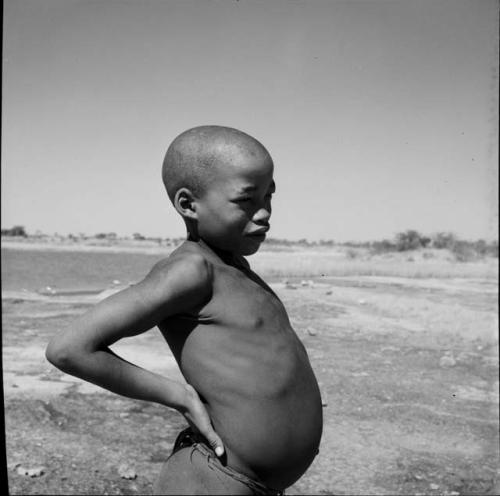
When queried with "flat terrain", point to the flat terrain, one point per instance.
{"points": [[408, 369]]}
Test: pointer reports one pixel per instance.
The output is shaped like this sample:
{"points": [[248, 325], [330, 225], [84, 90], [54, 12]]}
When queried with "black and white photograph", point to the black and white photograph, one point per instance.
{"points": [[250, 247]]}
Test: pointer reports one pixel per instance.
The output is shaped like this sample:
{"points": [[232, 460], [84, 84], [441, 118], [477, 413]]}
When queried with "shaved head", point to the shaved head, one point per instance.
{"points": [[192, 159]]}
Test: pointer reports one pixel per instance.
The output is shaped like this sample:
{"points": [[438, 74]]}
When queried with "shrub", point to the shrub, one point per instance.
{"points": [[155, 239], [15, 231], [492, 249], [481, 247], [442, 240], [463, 251], [351, 254], [409, 240], [383, 246], [425, 241], [327, 242]]}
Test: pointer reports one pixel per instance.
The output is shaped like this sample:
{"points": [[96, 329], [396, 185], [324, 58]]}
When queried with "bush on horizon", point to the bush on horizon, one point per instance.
{"points": [[15, 231], [411, 240]]}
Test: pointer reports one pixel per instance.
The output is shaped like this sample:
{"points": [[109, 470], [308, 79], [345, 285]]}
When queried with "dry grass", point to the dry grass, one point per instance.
{"points": [[309, 263]]}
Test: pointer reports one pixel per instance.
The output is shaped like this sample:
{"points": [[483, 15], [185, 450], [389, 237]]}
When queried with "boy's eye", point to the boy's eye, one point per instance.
{"points": [[249, 199]]}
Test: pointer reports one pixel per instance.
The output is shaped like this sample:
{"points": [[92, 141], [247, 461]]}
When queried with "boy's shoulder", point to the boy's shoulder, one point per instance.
{"points": [[187, 264], [193, 266]]}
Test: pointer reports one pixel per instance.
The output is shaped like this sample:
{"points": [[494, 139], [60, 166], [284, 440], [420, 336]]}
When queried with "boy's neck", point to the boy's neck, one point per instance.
{"points": [[227, 257]]}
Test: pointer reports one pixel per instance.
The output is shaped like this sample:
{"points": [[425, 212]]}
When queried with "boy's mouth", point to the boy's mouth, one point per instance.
{"points": [[259, 233]]}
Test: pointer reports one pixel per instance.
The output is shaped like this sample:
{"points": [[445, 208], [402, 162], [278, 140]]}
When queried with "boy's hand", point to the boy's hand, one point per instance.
{"points": [[197, 416]]}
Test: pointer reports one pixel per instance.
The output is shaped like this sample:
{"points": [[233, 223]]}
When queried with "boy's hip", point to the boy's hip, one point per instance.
{"points": [[194, 466]]}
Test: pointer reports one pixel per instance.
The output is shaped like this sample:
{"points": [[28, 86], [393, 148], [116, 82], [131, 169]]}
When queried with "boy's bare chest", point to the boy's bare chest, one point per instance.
{"points": [[246, 303]]}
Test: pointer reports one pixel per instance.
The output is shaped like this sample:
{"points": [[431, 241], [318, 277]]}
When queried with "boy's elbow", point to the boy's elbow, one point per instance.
{"points": [[59, 354]]}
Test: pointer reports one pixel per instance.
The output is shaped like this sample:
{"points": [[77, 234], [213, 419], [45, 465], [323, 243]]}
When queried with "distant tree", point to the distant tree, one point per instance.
{"points": [[15, 231], [383, 246], [153, 238], [325, 242], [138, 237], [408, 240], [100, 236], [463, 251], [425, 241], [481, 247], [442, 240], [493, 249]]}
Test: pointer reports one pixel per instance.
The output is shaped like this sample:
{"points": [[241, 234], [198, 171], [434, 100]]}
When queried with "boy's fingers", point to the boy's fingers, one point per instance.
{"points": [[216, 443], [199, 419]]}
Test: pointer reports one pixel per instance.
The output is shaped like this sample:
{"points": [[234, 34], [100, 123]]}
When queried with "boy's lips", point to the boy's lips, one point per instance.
{"points": [[259, 233]]}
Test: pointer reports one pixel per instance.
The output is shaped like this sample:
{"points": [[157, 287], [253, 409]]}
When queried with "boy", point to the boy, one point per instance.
{"points": [[251, 398]]}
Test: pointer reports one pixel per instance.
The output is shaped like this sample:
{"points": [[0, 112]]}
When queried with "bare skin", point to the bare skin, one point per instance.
{"points": [[250, 387], [265, 405]]}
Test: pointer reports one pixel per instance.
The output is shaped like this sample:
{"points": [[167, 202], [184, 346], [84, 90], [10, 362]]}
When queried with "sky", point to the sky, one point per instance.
{"points": [[380, 115]]}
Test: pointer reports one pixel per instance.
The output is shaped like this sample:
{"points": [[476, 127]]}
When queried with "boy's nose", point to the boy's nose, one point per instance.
{"points": [[262, 216]]}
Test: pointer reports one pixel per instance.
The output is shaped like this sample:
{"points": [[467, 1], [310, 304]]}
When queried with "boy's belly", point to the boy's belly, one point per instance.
{"points": [[266, 407], [270, 443]]}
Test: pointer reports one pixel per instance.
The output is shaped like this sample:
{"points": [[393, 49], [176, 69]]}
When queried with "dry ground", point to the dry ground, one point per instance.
{"points": [[408, 370]]}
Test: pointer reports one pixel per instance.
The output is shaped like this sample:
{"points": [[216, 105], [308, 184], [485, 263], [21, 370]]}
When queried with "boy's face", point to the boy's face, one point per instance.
{"points": [[234, 211]]}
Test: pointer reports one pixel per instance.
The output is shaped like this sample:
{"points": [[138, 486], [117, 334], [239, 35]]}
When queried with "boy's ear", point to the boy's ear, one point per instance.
{"points": [[184, 203]]}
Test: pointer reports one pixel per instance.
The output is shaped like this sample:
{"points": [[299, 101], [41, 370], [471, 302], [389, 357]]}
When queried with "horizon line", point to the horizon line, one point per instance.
{"points": [[111, 235]]}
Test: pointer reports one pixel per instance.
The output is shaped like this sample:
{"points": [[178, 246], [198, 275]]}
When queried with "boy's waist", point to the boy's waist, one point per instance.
{"points": [[188, 437]]}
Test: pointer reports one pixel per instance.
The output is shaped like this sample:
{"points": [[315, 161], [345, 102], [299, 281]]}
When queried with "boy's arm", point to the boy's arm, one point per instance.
{"points": [[171, 287]]}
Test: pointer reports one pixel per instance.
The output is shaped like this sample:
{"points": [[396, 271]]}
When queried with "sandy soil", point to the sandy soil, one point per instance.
{"points": [[408, 371]]}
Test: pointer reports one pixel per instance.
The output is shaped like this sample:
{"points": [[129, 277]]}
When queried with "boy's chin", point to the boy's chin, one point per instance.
{"points": [[246, 253], [249, 248]]}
